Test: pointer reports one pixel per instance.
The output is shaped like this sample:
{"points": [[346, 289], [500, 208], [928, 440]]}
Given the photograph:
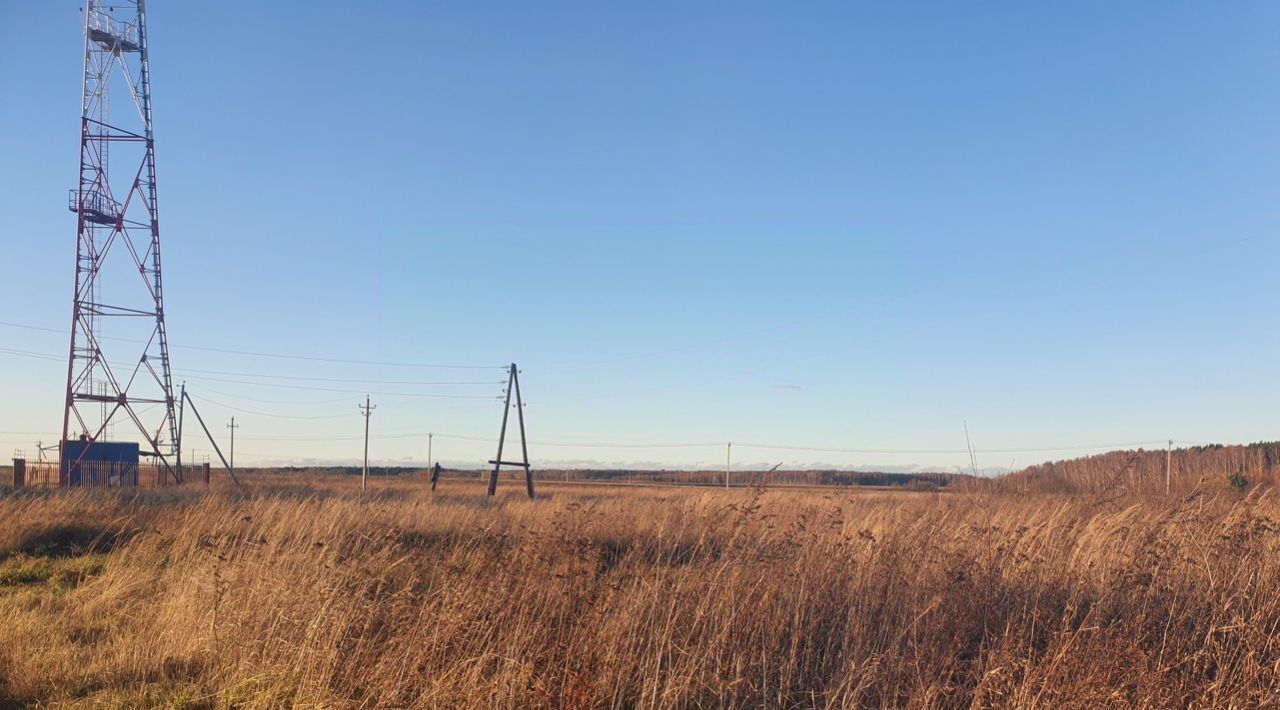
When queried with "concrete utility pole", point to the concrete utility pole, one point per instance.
{"points": [[233, 426], [728, 462], [429, 437], [367, 410]]}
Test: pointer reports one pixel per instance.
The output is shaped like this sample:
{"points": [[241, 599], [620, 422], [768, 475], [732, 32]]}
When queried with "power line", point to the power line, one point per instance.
{"points": [[600, 445], [297, 378], [116, 367], [338, 437], [670, 445], [250, 353], [1031, 450], [342, 360], [30, 354], [592, 445], [431, 395], [492, 440], [582, 445], [656, 445], [273, 416], [291, 403], [33, 327], [55, 358], [717, 445]]}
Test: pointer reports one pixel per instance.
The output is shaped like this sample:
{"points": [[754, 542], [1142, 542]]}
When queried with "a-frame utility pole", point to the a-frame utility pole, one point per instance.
{"points": [[513, 385]]}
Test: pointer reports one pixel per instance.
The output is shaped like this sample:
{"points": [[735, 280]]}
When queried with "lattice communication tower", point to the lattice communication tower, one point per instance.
{"points": [[118, 372]]}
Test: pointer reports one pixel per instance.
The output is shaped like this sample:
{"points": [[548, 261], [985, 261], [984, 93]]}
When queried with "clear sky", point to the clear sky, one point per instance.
{"points": [[836, 225]]}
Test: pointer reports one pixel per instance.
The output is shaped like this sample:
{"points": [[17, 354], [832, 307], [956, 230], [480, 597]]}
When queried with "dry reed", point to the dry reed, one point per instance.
{"points": [[310, 594]]}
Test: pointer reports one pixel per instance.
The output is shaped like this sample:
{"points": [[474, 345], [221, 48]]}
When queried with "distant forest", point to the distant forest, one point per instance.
{"points": [[1196, 467], [705, 477], [767, 478], [1189, 469]]}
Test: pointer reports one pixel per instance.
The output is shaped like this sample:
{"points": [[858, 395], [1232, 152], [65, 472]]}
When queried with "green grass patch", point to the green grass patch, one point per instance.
{"points": [[58, 573], [62, 540], [152, 695]]}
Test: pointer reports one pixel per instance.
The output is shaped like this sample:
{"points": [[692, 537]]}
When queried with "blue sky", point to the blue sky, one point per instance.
{"points": [[837, 225]]}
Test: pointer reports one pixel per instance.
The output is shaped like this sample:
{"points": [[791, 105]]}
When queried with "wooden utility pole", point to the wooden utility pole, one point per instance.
{"points": [[233, 426], [513, 385], [367, 410], [1168, 461]]}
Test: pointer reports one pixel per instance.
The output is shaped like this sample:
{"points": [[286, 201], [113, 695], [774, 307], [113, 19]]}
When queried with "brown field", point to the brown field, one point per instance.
{"points": [[302, 591]]}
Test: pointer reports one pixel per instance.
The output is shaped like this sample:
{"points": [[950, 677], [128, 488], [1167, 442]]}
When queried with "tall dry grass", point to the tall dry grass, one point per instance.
{"points": [[594, 597]]}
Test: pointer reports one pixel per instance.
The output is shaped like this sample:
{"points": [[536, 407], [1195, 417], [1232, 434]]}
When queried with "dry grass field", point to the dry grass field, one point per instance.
{"points": [[304, 592]]}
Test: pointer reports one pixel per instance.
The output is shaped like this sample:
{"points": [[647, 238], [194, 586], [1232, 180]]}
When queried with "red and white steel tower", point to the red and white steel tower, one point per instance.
{"points": [[118, 370]]}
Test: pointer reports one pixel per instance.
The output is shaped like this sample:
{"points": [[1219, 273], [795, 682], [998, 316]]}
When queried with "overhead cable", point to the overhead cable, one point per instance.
{"points": [[250, 353]]}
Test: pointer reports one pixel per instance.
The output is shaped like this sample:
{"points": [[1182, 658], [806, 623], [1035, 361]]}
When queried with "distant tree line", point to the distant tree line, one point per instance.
{"points": [[767, 478], [832, 477], [1189, 468]]}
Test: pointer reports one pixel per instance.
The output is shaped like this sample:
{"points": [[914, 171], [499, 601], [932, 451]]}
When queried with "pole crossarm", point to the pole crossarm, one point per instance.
{"points": [[510, 463]]}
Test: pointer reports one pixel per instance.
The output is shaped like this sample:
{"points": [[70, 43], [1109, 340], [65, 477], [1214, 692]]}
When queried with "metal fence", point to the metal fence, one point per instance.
{"points": [[105, 474]]}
